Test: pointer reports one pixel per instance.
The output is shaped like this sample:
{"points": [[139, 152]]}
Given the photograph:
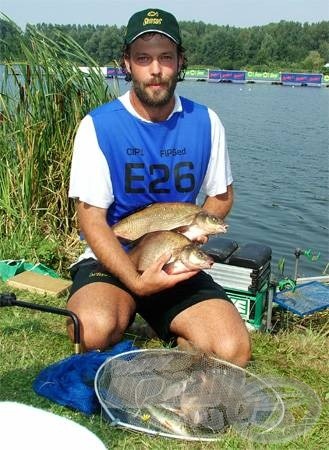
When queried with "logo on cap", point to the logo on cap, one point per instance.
{"points": [[152, 18]]}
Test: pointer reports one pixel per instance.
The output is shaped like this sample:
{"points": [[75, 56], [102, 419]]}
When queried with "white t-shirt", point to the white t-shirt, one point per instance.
{"points": [[90, 179]]}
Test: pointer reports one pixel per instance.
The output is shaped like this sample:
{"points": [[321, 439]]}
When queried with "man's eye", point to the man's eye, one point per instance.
{"points": [[142, 59], [166, 57]]}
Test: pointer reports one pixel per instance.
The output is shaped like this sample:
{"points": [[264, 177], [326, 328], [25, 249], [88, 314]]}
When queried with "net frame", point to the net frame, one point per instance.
{"points": [[150, 419]]}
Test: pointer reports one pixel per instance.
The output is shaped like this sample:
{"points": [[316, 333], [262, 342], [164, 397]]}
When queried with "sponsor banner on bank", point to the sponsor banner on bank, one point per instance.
{"points": [[263, 76]]}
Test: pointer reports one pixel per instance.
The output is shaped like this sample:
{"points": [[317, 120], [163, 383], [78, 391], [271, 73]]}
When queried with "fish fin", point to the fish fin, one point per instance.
{"points": [[181, 229], [123, 240]]}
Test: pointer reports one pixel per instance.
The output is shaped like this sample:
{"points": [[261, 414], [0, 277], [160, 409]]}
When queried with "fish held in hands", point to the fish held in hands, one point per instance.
{"points": [[186, 256], [186, 218]]}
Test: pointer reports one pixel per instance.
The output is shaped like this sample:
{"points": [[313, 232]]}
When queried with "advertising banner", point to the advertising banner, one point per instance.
{"points": [[263, 76], [114, 72], [233, 76], [313, 79], [196, 74]]}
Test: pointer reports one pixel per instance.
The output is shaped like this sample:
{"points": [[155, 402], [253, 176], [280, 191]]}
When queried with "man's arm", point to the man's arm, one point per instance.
{"points": [[220, 205], [108, 250]]}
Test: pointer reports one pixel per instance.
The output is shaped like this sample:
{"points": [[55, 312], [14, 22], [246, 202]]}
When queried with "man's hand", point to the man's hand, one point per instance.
{"points": [[108, 250], [154, 279]]}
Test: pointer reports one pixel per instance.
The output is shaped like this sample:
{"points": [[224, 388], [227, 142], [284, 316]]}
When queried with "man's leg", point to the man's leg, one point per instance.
{"points": [[214, 326], [104, 312]]}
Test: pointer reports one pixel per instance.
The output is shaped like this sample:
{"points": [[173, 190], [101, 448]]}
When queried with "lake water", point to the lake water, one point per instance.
{"points": [[278, 144]]}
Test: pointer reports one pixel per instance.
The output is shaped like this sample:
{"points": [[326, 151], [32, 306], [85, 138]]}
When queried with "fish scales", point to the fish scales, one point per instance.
{"points": [[184, 217], [158, 216], [185, 255]]}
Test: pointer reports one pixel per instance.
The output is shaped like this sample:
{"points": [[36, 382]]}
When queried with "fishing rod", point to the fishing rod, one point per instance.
{"points": [[308, 253], [9, 299], [292, 282]]}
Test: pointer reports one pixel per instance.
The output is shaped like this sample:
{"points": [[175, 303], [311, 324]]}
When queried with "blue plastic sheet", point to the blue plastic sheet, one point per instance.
{"points": [[306, 299], [70, 382]]}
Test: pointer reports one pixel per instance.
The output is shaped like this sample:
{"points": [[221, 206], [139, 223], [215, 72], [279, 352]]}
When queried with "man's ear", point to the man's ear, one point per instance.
{"points": [[127, 64], [180, 62]]}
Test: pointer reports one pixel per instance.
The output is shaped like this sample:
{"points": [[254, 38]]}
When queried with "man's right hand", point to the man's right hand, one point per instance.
{"points": [[154, 279]]}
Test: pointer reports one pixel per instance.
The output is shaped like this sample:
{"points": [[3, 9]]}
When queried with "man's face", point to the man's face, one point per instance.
{"points": [[153, 64]]}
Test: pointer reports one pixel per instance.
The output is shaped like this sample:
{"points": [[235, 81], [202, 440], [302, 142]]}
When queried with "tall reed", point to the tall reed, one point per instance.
{"points": [[42, 101]]}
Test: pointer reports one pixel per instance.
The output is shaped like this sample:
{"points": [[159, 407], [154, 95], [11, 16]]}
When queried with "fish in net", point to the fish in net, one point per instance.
{"points": [[194, 396]]}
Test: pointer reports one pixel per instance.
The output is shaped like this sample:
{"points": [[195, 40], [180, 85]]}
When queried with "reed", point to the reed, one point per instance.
{"points": [[42, 101]]}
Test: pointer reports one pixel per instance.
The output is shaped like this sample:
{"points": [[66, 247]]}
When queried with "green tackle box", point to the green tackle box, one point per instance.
{"points": [[252, 307], [244, 272]]}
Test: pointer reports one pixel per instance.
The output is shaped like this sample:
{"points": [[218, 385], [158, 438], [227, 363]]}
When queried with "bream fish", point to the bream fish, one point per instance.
{"points": [[168, 422], [185, 254], [186, 218]]}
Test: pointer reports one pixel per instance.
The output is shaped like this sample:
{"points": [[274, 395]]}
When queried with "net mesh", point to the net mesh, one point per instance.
{"points": [[191, 396]]}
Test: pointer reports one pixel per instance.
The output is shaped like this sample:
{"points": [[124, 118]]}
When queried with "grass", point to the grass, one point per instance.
{"points": [[31, 340]]}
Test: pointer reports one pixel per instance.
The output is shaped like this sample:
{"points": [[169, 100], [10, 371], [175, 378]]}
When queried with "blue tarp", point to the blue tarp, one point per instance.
{"points": [[70, 382], [306, 299]]}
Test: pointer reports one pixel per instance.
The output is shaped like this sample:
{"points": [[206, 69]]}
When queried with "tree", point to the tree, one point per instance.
{"points": [[324, 51], [110, 45], [268, 50], [313, 62], [9, 33], [285, 45]]}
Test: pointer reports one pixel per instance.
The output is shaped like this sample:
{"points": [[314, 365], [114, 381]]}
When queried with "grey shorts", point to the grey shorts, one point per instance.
{"points": [[158, 309]]}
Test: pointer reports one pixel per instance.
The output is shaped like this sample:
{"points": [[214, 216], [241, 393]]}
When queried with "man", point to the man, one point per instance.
{"points": [[147, 146]]}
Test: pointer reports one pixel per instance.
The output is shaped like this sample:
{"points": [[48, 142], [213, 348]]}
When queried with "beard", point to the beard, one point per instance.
{"points": [[155, 98]]}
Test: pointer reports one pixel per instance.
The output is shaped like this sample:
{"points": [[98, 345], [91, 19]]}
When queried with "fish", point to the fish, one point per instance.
{"points": [[185, 254], [186, 218], [167, 421]]}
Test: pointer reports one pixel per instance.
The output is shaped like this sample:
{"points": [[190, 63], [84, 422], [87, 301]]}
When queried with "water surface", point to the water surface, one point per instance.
{"points": [[278, 143]]}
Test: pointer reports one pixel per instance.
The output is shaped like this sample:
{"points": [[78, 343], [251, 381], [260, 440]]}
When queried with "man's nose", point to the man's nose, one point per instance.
{"points": [[155, 66]]}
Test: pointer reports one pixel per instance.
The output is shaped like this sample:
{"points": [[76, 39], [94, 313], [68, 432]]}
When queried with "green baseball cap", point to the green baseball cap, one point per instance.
{"points": [[152, 21]]}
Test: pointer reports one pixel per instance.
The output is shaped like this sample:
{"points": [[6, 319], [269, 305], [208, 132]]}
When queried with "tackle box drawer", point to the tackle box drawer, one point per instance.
{"points": [[246, 267], [244, 272]]}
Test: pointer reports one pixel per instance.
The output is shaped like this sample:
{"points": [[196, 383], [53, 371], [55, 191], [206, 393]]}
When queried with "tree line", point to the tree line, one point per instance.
{"points": [[285, 45]]}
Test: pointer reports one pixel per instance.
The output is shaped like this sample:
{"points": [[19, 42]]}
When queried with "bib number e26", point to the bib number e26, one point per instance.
{"points": [[159, 178]]}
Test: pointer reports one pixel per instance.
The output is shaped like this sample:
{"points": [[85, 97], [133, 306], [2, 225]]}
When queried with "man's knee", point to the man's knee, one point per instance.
{"points": [[237, 352], [96, 332], [103, 320], [99, 329]]}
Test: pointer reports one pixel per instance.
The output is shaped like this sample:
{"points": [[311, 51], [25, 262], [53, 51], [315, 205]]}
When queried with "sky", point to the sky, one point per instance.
{"points": [[240, 13]]}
